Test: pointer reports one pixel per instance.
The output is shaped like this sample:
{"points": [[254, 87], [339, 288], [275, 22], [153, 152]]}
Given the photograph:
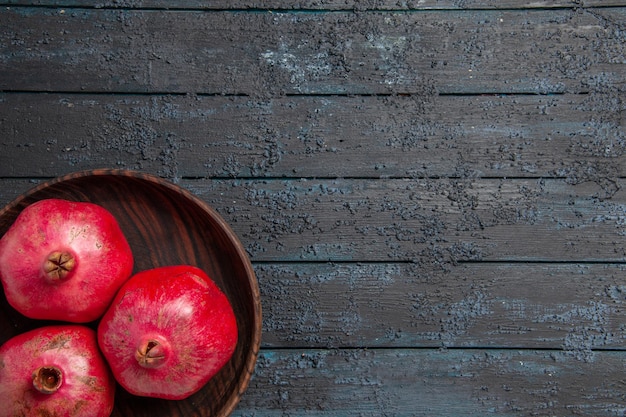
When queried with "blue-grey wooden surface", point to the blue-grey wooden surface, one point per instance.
{"points": [[431, 192]]}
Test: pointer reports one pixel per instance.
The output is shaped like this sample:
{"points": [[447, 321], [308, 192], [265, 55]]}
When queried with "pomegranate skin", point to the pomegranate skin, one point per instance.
{"points": [[168, 331], [64, 260], [86, 387]]}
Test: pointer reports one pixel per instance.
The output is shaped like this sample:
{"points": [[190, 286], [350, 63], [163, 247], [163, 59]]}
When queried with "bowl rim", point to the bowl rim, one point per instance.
{"points": [[252, 354]]}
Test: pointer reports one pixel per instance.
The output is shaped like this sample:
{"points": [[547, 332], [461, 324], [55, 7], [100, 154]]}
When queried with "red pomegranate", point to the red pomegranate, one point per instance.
{"points": [[167, 332], [64, 260], [55, 371]]}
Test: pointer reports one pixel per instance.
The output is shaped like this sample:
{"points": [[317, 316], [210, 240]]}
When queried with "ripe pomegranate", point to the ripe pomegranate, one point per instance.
{"points": [[64, 260], [167, 332], [55, 371]]}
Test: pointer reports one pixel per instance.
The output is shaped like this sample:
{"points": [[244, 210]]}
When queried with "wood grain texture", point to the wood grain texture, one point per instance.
{"points": [[431, 191], [446, 220], [269, 54], [565, 136], [431, 221], [325, 5], [408, 382], [576, 308]]}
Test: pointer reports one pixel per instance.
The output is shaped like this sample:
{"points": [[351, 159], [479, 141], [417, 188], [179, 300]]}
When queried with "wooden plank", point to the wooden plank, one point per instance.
{"points": [[423, 220], [270, 54], [427, 221], [325, 4], [374, 137], [573, 307], [434, 383]]}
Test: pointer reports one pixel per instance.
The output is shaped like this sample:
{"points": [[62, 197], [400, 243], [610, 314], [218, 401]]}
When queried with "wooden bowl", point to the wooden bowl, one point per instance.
{"points": [[165, 225]]}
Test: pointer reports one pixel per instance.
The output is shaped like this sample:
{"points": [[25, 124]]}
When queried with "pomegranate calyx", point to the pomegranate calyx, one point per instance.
{"points": [[151, 354], [47, 379], [58, 265]]}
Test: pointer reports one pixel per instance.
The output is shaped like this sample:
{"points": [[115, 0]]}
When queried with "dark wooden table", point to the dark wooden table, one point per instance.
{"points": [[431, 192]]}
